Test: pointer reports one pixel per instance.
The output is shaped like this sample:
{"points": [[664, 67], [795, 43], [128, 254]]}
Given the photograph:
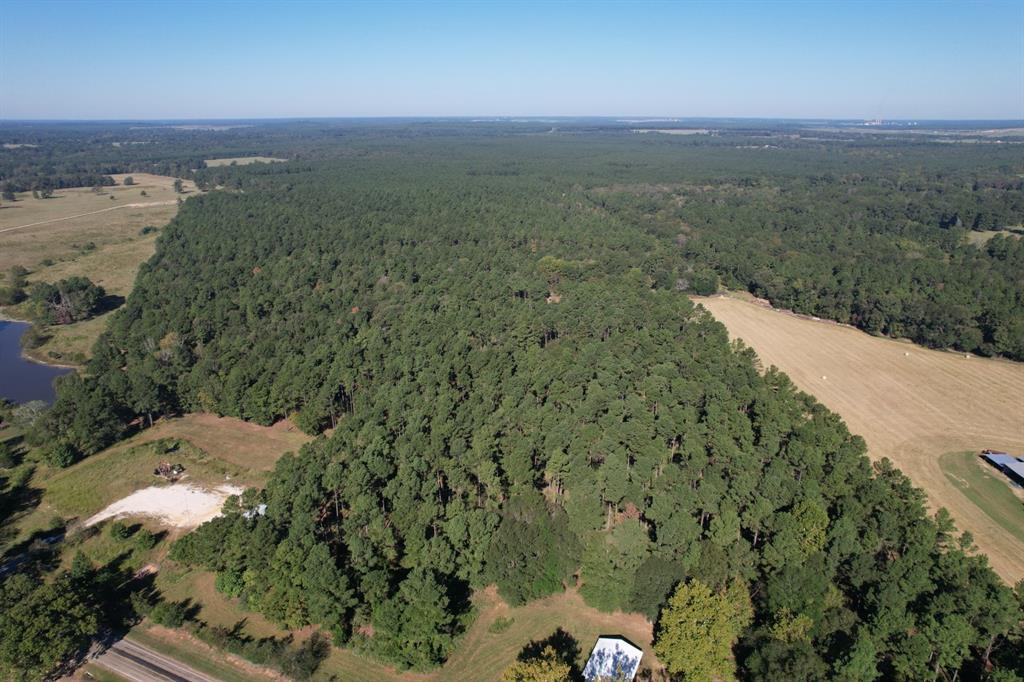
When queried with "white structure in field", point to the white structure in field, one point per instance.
{"points": [[613, 659]]}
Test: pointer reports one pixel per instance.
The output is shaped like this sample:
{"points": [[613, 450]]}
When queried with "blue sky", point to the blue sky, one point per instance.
{"points": [[935, 60]]}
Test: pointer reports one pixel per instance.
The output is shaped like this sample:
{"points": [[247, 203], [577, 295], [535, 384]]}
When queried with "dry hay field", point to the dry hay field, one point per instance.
{"points": [[242, 161], [911, 404]]}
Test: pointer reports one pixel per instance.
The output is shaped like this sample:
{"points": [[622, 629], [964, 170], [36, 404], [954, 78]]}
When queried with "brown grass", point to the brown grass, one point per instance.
{"points": [[911, 404], [980, 238], [254, 447], [482, 656]]}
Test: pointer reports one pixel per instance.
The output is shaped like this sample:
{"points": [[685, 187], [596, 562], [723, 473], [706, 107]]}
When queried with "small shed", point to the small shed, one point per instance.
{"points": [[613, 658]]}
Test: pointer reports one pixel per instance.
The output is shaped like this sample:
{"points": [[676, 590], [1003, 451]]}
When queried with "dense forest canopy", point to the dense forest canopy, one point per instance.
{"points": [[496, 330]]}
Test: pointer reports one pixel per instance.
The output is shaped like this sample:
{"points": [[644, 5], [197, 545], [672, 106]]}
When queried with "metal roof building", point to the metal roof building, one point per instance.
{"points": [[999, 459], [613, 658], [1015, 472]]}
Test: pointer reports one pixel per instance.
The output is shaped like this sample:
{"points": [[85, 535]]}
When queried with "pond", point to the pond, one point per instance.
{"points": [[22, 380]]}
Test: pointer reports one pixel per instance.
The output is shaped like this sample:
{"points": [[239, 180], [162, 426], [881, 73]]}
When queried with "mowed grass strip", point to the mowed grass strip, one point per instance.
{"points": [[987, 488], [911, 404]]}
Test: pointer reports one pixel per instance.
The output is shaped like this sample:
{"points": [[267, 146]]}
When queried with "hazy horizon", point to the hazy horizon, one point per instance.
{"points": [[788, 60]]}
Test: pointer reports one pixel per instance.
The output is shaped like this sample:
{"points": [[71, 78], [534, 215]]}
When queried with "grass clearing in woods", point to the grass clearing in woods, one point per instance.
{"points": [[177, 583], [482, 655], [981, 237], [242, 161], [911, 404]]}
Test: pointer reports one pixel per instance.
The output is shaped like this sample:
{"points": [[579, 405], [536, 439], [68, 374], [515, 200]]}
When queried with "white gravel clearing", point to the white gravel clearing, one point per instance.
{"points": [[180, 505]]}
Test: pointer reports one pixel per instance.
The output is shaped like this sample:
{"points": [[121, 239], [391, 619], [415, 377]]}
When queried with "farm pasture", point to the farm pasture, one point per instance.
{"points": [[78, 232], [59, 228]]}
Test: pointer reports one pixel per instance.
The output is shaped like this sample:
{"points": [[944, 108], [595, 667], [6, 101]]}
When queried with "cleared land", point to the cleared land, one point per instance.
{"points": [[214, 451], [242, 161], [181, 505], [910, 404], [980, 238]]}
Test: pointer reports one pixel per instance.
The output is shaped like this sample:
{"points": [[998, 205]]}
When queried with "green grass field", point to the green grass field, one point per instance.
{"points": [[177, 583], [987, 488]]}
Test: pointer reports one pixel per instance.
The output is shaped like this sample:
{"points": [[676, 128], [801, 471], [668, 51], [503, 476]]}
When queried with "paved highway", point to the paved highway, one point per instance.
{"points": [[137, 663]]}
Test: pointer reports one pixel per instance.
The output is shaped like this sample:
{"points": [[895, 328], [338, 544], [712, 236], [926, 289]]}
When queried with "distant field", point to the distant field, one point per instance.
{"points": [[482, 656], [241, 161], [911, 404], [978, 238], [58, 228]]}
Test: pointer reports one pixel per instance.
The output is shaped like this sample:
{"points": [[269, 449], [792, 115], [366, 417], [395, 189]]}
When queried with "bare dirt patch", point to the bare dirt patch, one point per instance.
{"points": [[911, 404], [181, 505]]}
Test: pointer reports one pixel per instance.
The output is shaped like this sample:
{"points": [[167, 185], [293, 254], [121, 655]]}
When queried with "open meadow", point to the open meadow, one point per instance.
{"points": [[62, 226], [485, 651], [911, 404]]}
